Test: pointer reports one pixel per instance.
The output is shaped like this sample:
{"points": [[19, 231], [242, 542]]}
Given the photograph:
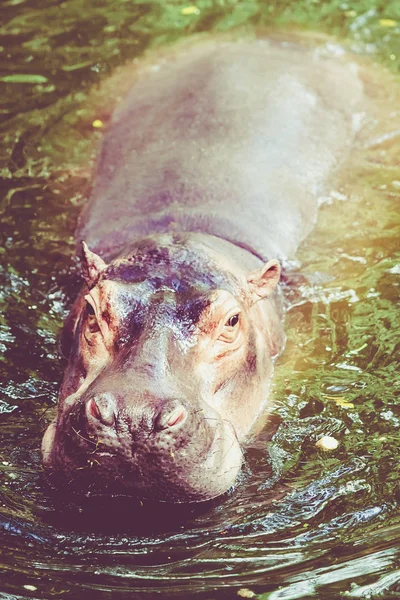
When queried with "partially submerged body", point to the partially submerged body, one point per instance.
{"points": [[235, 140], [210, 171]]}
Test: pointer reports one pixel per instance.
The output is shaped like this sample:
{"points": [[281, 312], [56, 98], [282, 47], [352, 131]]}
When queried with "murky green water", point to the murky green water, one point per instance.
{"points": [[313, 524]]}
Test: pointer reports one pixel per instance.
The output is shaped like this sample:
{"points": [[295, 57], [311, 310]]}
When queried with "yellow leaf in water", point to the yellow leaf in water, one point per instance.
{"points": [[387, 23], [344, 404], [339, 401], [190, 10], [245, 593], [97, 124]]}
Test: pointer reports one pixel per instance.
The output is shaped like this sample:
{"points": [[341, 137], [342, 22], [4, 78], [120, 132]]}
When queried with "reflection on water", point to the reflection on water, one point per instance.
{"points": [[303, 522]]}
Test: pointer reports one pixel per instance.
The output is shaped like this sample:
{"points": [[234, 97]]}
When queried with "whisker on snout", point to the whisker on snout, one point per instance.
{"points": [[78, 433]]}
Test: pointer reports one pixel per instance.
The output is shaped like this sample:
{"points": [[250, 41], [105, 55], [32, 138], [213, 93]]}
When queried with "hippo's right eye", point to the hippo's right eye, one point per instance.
{"points": [[89, 309], [91, 319]]}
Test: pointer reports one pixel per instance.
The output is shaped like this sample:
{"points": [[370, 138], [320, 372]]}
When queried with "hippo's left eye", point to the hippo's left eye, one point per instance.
{"points": [[230, 331], [233, 321]]}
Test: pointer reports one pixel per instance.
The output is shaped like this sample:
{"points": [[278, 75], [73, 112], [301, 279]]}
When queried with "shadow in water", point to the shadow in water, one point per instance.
{"points": [[123, 514]]}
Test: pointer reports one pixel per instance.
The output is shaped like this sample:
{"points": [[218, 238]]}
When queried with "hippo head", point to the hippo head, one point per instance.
{"points": [[170, 351]]}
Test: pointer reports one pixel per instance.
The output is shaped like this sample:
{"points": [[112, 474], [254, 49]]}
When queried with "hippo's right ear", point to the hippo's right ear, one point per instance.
{"points": [[92, 265]]}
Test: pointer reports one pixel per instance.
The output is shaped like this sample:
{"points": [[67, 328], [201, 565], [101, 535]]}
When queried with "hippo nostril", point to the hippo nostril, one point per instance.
{"points": [[171, 418], [177, 416], [93, 409], [102, 408]]}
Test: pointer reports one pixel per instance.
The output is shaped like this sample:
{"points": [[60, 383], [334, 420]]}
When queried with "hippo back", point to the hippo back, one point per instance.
{"points": [[233, 139]]}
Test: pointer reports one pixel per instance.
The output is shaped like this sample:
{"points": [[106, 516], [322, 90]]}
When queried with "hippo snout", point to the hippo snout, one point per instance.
{"points": [[145, 445], [102, 409]]}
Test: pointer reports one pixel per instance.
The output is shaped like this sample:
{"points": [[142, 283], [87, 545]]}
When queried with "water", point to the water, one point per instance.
{"points": [[303, 523]]}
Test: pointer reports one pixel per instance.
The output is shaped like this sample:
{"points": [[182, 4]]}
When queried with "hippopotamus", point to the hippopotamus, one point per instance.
{"points": [[208, 177]]}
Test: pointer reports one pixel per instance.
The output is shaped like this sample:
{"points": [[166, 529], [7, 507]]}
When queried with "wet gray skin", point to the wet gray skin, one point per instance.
{"points": [[211, 169]]}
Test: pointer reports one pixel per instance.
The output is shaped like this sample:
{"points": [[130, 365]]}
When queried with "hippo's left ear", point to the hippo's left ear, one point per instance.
{"points": [[92, 265], [262, 282]]}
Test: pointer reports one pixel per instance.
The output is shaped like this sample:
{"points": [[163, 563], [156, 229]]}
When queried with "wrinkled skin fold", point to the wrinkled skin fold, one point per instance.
{"points": [[209, 173]]}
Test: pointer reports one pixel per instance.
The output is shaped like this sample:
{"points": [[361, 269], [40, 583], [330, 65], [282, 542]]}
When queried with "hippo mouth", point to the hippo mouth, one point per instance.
{"points": [[194, 467]]}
